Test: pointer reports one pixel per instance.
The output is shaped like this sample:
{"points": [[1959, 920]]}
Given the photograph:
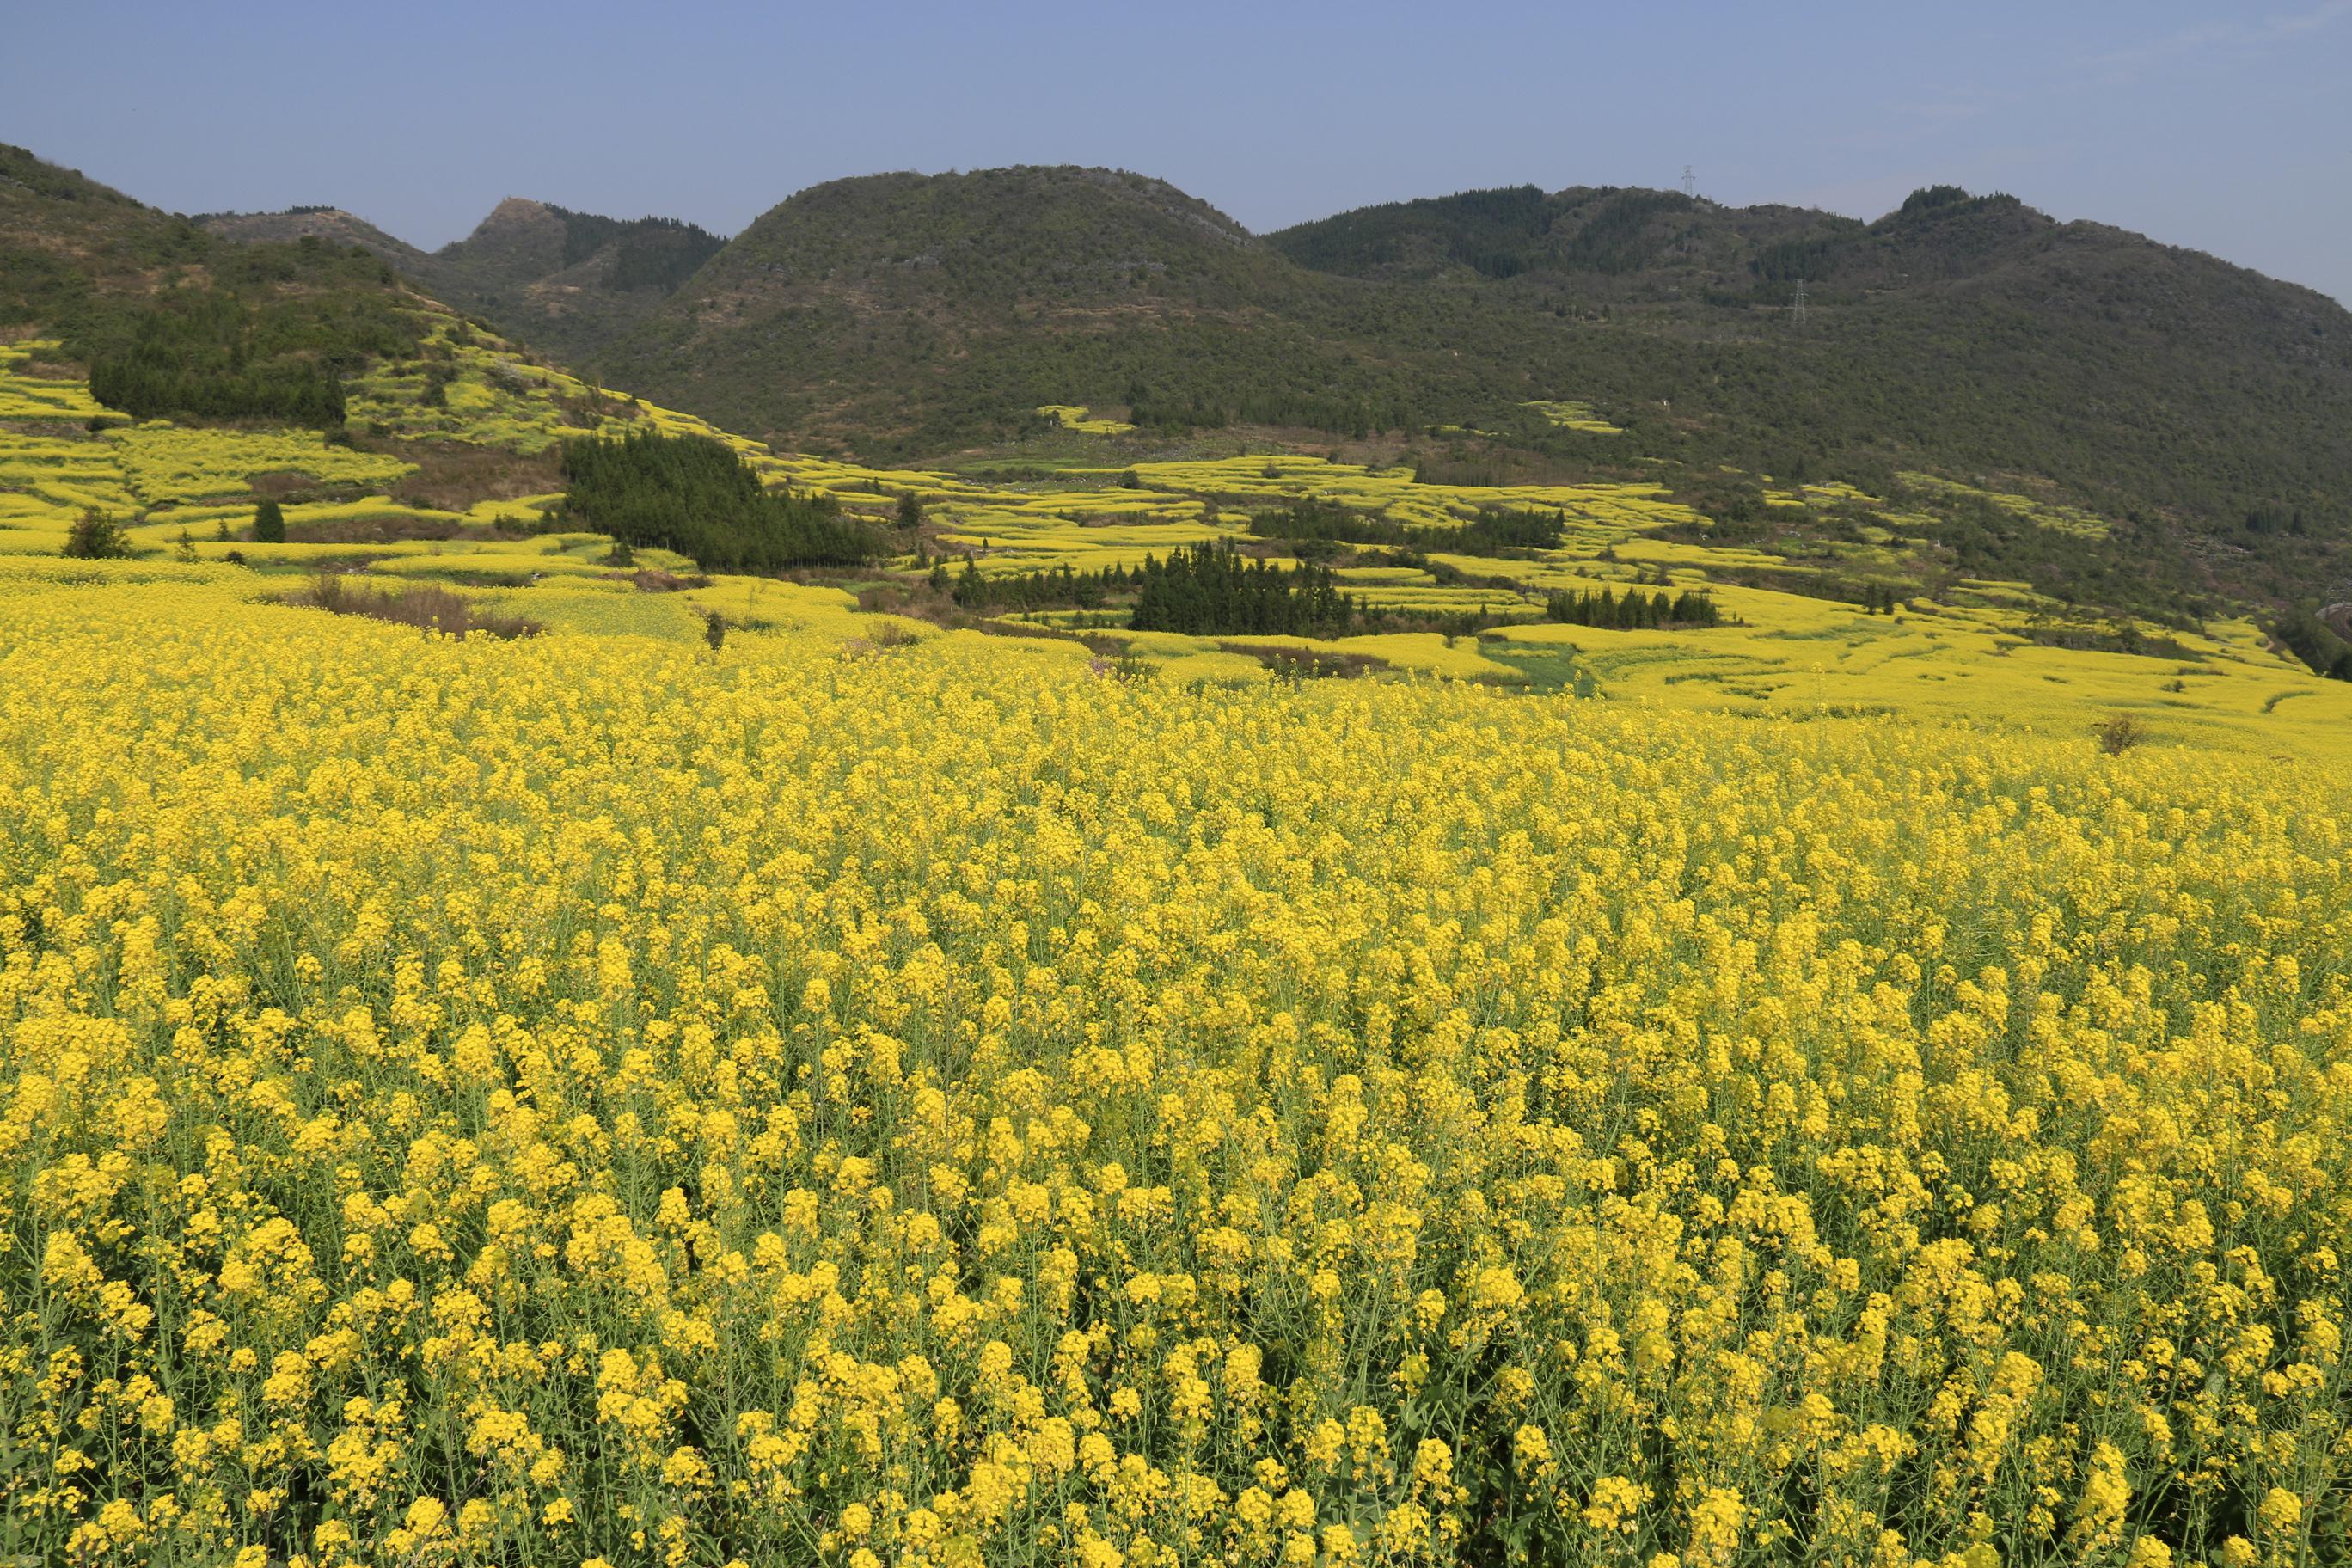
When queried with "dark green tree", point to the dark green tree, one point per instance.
{"points": [[95, 536], [694, 495], [269, 522]]}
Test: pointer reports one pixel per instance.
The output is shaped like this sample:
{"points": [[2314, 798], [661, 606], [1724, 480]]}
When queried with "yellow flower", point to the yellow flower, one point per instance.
{"points": [[950, 1096]]}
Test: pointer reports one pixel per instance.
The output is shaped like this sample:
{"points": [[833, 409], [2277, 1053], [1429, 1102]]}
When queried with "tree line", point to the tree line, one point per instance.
{"points": [[698, 497], [1495, 529], [1213, 589], [1056, 589], [1204, 590], [248, 346], [1636, 611]]}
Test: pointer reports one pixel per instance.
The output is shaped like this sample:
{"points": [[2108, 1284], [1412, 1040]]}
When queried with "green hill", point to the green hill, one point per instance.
{"points": [[571, 281], [905, 314], [1969, 334], [329, 224], [2193, 404], [171, 319]]}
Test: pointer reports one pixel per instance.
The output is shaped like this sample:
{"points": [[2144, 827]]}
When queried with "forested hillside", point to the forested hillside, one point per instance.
{"points": [[2197, 407], [2117, 424], [568, 280], [170, 320], [2198, 404]]}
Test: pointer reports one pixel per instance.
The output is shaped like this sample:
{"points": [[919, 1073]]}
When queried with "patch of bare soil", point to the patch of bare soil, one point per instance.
{"points": [[451, 475]]}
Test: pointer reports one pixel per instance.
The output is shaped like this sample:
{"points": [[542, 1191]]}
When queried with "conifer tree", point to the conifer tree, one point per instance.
{"points": [[95, 536]]}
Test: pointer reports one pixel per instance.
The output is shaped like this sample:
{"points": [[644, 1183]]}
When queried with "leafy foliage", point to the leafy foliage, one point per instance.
{"points": [[647, 253], [2316, 643], [1496, 530], [174, 321], [1061, 587], [229, 352], [1311, 522]]}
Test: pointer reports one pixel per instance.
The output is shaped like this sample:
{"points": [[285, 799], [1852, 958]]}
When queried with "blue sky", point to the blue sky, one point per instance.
{"points": [[2228, 129]]}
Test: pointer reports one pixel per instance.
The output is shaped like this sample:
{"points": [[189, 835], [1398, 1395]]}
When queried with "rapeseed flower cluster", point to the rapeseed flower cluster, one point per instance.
{"points": [[592, 1101]]}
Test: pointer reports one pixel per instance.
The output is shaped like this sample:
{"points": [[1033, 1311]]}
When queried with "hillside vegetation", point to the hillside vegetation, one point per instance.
{"points": [[1974, 332], [2177, 395], [2197, 408], [169, 320], [1922, 591], [999, 282], [567, 280]]}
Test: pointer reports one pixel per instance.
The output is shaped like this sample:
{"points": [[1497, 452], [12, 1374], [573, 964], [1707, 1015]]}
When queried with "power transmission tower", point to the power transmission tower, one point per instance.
{"points": [[1690, 184], [1801, 302]]}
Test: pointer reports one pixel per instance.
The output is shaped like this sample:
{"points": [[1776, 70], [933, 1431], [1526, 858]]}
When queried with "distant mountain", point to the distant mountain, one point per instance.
{"points": [[568, 281], [331, 224], [1501, 233], [904, 313], [1971, 334]]}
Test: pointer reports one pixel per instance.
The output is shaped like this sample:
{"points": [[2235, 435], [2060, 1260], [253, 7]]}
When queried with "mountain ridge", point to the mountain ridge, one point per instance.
{"points": [[564, 278], [1964, 332]]}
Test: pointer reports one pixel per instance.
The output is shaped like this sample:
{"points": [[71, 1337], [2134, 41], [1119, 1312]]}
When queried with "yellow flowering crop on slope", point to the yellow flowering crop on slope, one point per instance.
{"points": [[2042, 514], [589, 1099], [1075, 416], [1569, 415], [24, 396], [164, 463]]}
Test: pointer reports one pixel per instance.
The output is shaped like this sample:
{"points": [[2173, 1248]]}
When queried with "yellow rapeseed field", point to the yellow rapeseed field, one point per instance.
{"points": [[593, 1100]]}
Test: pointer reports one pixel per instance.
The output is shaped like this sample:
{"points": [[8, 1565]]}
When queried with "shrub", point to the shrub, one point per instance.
{"points": [[2120, 734], [97, 536]]}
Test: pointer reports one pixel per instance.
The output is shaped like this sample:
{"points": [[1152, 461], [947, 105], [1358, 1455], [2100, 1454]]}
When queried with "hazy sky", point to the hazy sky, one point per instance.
{"points": [[2228, 128]]}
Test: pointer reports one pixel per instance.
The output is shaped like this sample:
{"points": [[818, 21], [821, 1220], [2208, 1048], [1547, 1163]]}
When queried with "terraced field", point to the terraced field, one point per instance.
{"points": [[1971, 650]]}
